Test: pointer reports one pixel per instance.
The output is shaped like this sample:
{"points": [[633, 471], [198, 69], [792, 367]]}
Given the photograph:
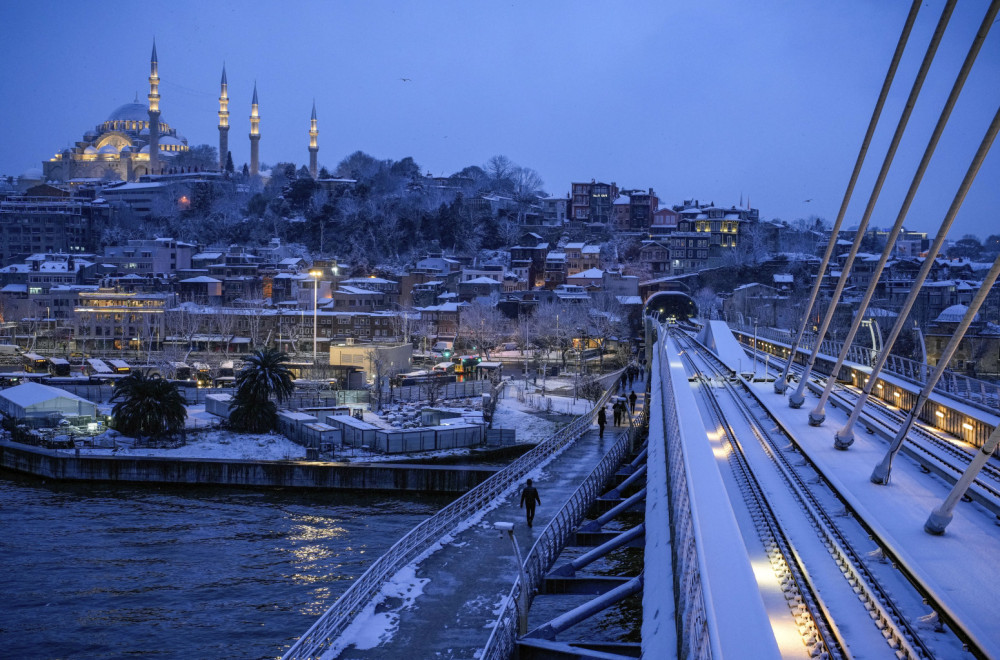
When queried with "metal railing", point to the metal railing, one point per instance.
{"points": [[692, 624], [956, 385], [332, 623], [502, 642]]}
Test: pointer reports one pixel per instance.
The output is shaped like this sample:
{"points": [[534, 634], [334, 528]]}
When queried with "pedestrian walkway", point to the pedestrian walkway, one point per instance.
{"points": [[469, 578]]}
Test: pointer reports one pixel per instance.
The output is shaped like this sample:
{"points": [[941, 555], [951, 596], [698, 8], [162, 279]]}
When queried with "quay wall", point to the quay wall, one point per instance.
{"points": [[50, 464]]}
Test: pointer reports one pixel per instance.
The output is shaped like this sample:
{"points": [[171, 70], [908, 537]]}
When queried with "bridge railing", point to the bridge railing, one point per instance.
{"points": [[953, 384], [332, 623], [502, 642]]}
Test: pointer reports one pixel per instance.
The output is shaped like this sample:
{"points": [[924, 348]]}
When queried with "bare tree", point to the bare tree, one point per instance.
{"points": [[606, 322], [484, 325], [224, 324], [432, 388]]}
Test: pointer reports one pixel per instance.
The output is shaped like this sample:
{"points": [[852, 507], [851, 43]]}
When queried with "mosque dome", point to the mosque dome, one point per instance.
{"points": [[144, 131], [108, 149], [90, 136], [144, 150], [170, 140], [33, 174], [131, 112], [90, 150]]}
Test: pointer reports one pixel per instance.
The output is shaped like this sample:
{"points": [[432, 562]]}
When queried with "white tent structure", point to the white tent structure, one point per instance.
{"points": [[34, 401]]}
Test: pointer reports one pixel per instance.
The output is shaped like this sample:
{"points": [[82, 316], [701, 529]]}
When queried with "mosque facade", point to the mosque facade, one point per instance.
{"points": [[119, 147], [135, 140]]}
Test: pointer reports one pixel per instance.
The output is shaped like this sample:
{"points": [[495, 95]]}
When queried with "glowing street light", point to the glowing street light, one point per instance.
{"points": [[315, 274]]}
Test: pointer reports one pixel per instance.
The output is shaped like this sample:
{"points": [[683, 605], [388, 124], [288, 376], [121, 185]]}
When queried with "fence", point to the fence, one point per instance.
{"points": [[978, 392], [692, 625], [502, 642], [333, 622]]}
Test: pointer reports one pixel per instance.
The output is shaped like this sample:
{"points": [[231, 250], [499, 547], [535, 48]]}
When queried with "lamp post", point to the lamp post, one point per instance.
{"points": [[522, 598], [315, 274]]}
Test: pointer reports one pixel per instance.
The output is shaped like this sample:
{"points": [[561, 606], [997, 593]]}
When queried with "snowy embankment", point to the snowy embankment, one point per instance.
{"points": [[528, 414]]}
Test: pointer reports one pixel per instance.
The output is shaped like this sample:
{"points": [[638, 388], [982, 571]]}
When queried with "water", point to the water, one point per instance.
{"points": [[102, 571]]}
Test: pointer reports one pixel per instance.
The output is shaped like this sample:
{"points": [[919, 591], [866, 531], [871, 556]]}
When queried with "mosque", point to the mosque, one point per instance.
{"points": [[135, 141]]}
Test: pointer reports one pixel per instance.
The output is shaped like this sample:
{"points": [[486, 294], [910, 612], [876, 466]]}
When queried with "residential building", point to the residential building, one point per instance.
{"points": [[592, 202]]}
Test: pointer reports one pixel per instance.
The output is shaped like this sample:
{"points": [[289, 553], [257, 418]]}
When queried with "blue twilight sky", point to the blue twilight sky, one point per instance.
{"points": [[711, 99]]}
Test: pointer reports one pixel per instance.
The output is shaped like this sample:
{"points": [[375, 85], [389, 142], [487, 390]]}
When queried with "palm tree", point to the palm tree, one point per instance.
{"points": [[147, 405], [263, 376]]}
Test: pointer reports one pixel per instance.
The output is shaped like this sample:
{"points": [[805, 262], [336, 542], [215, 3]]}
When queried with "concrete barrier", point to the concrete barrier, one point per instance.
{"points": [[51, 464]]}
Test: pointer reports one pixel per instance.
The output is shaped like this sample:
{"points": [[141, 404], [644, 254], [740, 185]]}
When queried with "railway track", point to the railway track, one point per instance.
{"points": [[933, 451], [808, 508]]}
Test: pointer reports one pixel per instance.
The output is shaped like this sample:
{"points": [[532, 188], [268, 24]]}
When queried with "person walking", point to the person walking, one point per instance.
{"points": [[529, 498], [631, 400], [602, 420], [617, 408]]}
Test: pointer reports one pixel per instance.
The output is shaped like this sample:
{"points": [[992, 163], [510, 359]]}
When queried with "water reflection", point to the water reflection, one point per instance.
{"points": [[181, 572]]}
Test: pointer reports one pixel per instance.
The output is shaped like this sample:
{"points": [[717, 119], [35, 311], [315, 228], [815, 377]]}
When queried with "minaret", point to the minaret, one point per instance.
{"points": [[254, 134], [223, 121], [154, 114], [313, 147]]}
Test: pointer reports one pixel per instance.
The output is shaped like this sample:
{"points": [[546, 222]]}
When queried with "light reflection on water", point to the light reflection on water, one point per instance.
{"points": [[115, 572]]}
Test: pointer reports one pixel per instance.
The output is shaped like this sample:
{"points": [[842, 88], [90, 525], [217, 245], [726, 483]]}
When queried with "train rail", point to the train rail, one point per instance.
{"points": [[890, 596]]}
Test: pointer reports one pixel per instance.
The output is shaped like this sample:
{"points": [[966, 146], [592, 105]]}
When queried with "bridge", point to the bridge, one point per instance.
{"points": [[721, 518]]}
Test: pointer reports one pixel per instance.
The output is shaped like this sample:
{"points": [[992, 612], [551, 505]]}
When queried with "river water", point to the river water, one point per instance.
{"points": [[104, 571]]}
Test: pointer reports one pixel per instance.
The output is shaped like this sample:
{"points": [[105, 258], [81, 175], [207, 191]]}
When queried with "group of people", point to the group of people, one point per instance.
{"points": [[622, 408]]}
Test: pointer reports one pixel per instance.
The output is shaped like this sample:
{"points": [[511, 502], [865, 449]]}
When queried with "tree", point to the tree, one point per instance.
{"points": [[198, 158], [147, 406], [607, 321], [229, 162], [527, 188], [264, 375], [484, 325]]}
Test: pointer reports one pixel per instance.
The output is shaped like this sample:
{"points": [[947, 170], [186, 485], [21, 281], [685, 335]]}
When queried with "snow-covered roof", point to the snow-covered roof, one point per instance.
{"points": [[31, 394], [15, 288], [482, 280], [953, 314], [629, 300], [589, 274], [201, 279], [574, 246], [784, 278], [207, 255], [357, 291], [591, 249]]}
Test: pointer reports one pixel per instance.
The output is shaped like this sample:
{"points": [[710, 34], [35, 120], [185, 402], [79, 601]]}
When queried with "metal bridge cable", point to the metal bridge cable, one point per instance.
{"points": [[880, 475], [781, 383], [817, 416], [798, 397], [847, 432]]}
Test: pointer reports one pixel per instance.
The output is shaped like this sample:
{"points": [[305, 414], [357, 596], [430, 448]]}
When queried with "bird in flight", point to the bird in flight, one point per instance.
{"points": [[807, 200], [405, 79]]}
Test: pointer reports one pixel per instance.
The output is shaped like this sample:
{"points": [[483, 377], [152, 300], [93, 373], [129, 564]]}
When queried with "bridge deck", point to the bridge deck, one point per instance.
{"points": [[960, 567], [466, 581]]}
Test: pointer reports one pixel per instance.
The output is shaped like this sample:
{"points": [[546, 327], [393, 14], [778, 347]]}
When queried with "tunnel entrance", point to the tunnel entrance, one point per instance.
{"points": [[671, 306]]}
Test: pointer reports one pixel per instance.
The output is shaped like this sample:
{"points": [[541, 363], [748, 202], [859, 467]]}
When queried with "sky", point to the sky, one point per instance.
{"points": [[716, 100]]}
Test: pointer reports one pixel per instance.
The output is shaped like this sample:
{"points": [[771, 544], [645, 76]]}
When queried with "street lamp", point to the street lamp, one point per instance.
{"points": [[315, 274], [522, 604]]}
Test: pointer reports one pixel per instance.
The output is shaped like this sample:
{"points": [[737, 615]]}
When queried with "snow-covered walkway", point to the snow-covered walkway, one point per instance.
{"points": [[450, 603]]}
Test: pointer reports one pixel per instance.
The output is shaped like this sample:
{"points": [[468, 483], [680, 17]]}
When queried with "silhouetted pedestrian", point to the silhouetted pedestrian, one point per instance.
{"points": [[617, 408], [529, 498], [631, 400], [602, 420]]}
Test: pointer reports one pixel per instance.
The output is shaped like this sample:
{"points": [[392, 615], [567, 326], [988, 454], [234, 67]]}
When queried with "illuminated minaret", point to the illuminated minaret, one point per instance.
{"points": [[154, 114], [254, 133], [313, 147], [223, 121]]}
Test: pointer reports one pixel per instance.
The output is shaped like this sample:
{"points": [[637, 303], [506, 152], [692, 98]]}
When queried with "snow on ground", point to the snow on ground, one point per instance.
{"points": [[528, 412], [209, 444]]}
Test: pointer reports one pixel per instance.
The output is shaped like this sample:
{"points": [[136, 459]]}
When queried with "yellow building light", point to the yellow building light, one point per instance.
{"points": [[895, 394], [967, 426], [939, 413]]}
